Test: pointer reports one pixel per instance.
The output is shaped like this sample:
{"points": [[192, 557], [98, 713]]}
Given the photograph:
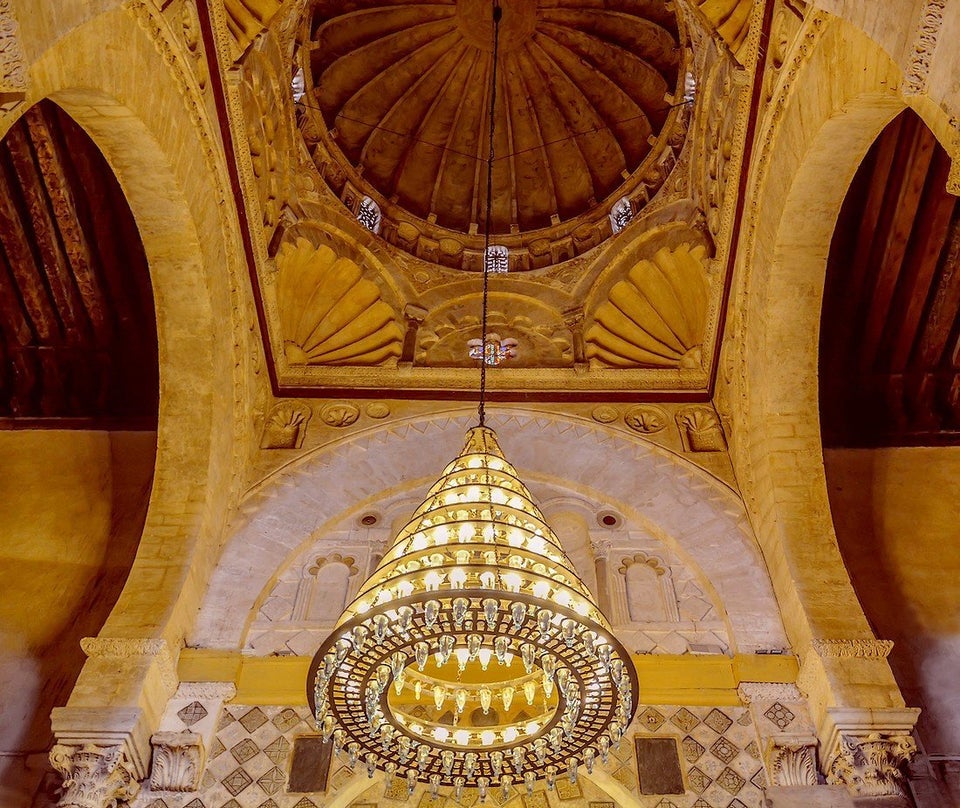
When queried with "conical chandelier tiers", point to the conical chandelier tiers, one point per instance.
{"points": [[474, 655]]}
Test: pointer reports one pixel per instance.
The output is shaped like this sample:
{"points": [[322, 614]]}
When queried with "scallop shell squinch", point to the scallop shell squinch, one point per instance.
{"points": [[656, 316], [329, 313]]}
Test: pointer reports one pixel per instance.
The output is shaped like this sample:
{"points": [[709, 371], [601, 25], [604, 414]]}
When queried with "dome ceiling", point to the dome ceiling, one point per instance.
{"points": [[401, 100]]}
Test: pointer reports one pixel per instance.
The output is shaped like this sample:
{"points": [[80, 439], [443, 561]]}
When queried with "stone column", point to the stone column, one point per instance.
{"points": [[601, 555], [117, 702]]}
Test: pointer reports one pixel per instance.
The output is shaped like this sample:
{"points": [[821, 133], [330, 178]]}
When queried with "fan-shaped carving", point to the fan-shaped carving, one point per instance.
{"points": [[731, 18], [329, 313], [656, 316]]}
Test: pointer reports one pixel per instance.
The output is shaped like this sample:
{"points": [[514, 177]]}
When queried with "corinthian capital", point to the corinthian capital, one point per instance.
{"points": [[94, 776], [871, 766]]}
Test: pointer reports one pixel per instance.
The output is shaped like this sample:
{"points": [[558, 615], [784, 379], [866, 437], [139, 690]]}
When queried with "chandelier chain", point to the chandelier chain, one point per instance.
{"points": [[481, 408]]}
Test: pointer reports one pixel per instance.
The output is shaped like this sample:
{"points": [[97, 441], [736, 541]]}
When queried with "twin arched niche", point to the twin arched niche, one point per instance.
{"points": [[692, 527]]}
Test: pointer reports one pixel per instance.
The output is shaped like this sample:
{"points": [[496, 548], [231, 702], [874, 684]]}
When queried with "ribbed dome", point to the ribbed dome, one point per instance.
{"points": [[403, 91]]}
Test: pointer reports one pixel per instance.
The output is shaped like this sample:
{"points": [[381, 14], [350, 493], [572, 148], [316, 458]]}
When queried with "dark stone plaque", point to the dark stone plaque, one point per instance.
{"points": [[311, 764], [658, 766]]}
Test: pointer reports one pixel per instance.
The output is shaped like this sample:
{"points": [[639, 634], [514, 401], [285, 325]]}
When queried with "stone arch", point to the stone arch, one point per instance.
{"points": [[150, 125], [702, 517], [837, 94], [174, 195]]}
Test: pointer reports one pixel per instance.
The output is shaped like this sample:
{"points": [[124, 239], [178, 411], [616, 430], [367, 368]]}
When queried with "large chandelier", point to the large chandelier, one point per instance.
{"points": [[474, 656]]}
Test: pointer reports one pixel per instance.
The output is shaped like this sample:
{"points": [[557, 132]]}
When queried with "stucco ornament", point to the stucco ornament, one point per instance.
{"points": [[178, 759], [871, 766], [94, 776]]}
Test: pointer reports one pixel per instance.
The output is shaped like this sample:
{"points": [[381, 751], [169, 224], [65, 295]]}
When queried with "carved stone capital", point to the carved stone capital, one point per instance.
{"points": [[866, 750], [94, 776], [792, 760], [178, 760]]}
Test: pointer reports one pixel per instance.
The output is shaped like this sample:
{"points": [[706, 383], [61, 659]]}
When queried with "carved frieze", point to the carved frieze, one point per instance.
{"points": [[924, 45], [13, 70], [339, 414], [94, 776], [178, 760]]}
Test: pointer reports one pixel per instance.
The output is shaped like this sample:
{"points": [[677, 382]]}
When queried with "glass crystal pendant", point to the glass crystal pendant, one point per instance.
{"points": [[474, 603]]}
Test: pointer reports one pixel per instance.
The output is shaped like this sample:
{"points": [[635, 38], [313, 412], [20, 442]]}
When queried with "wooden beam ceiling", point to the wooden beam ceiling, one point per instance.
{"points": [[890, 327], [77, 328]]}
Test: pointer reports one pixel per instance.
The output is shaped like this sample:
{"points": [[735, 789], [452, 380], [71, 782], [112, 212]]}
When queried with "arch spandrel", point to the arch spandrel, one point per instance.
{"points": [[699, 517]]}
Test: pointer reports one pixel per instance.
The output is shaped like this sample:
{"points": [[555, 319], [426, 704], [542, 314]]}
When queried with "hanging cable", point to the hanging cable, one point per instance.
{"points": [[497, 14]]}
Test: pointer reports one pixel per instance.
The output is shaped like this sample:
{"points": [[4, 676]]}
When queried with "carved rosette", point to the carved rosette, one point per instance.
{"points": [[94, 776], [871, 766], [178, 759]]}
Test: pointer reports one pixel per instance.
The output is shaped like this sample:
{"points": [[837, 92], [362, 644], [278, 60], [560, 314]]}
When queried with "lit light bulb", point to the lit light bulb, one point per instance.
{"points": [[460, 606], [441, 734], [462, 655], [486, 697], [490, 609], [460, 697], [461, 737], [510, 734], [431, 610], [530, 690], [507, 696], [439, 694], [485, 655], [541, 589], [417, 689]]}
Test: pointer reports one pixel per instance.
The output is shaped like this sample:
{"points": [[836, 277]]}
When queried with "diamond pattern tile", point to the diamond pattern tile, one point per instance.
{"points": [[286, 720], [684, 719], [567, 790], [779, 715], [195, 803], [268, 804], [626, 777], [730, 781], [717, 721], [157, 804], [666, 804], [244, 750], [192, 713], [736, 804], [277, 751], [272, 781], [230, 804], [692, 750], [253, 719], [724, 750], [536, 800], [745, 720], [305, 803], [753, 750], [759, 780], [236, 781], [216, 749], [225, 720], [208, 780], [397, 790], [702, 803], [600, 805], [651, 719], [699, 781]]}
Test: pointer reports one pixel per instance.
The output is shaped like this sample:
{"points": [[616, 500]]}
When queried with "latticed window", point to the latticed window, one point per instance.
{"points": [[497, 259], [620, 215], [368, 214]]}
